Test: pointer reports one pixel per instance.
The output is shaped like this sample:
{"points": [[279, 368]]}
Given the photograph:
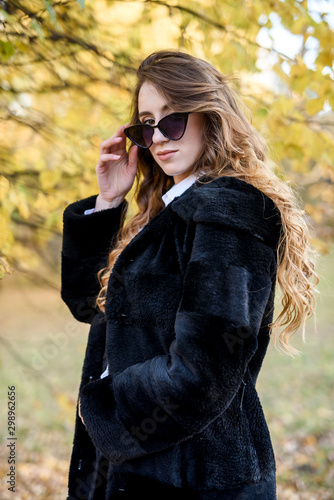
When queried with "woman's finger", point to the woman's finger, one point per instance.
{"points": [[108, 157], [133, 155], [110, 142]]}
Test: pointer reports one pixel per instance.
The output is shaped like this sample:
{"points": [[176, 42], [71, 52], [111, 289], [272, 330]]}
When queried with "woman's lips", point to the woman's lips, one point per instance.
{"points": [[166, 155]]}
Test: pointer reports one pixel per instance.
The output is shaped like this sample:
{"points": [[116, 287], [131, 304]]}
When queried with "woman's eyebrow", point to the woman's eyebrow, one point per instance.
{"points": [[164, 108]]}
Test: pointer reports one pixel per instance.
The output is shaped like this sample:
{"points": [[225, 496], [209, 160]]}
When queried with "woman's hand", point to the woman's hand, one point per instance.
{"points": [[115, 170]]}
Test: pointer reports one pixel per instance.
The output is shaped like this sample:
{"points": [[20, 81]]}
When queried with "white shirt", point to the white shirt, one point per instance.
{"points": [[180, 187], [174, 191]]}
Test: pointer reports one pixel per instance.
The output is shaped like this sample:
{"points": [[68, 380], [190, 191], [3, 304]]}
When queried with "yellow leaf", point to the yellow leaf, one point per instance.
{"points": [[4, 186], [6, 235], [299, 25], [64, 402], [313, 106], [5, 267], [49, 178], [22, 46], [283, 106], [41, 203], [325, 58], [22, 205], [314, 212]]}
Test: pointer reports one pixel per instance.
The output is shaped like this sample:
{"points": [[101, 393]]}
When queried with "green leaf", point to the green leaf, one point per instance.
{"points": [[50, 10], [38, 28], [261, 112], [6, 50]]}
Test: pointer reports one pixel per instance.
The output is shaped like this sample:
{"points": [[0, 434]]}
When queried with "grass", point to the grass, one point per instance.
{"points": [[42, 356], [297, 397]]}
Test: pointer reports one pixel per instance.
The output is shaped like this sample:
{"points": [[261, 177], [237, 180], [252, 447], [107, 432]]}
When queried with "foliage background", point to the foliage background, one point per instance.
{"points": [[66, 74]]}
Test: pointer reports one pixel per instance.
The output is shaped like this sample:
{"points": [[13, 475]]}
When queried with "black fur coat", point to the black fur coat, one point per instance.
{"points": [[185, 333]]}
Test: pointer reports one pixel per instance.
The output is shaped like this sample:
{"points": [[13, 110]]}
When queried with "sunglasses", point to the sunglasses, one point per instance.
{"points": [[171, 126]]}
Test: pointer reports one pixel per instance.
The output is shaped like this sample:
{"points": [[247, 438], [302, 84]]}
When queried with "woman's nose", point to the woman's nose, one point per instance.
{"points": [[158, 136]]}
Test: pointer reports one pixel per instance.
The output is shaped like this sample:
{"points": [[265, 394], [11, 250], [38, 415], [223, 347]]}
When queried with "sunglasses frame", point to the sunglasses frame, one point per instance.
{"points": [[184, 115]]}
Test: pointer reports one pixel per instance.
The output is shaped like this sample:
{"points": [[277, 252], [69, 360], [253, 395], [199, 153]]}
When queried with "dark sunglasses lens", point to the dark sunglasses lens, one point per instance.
{"points": [[141, 135], [173, 126], [147, 133]]}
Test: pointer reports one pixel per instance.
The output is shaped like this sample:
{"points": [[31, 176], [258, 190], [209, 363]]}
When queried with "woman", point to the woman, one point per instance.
{"points": [[182, 310]]}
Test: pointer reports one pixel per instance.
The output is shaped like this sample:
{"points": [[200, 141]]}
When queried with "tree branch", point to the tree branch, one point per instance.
{"points": [[217, 25]]}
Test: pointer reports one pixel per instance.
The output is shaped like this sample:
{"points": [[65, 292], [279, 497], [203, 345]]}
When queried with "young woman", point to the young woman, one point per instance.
{"points": [[181, 312]]}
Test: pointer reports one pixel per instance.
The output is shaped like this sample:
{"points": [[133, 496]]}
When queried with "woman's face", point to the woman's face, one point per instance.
{"points": [[176, 158]]}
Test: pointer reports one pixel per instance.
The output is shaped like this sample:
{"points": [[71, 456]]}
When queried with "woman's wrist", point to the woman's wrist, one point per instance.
{"points": [[102, 204]]}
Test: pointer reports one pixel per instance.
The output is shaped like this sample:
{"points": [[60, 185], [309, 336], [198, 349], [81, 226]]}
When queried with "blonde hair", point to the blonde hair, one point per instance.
{"points": [[232, 148]]}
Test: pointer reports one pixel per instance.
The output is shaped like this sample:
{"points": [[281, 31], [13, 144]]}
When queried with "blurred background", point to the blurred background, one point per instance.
{"points": [[66, 72]]}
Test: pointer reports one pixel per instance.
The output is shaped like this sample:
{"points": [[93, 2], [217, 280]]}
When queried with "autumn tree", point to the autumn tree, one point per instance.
{"points": [[66, 74]]}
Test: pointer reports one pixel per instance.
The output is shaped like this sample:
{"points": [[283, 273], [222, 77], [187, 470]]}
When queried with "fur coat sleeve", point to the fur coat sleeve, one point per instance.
{"points": [[87, 242], [226, 288]]}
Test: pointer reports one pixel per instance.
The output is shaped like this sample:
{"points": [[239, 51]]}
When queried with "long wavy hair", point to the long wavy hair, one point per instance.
{"points": [[232, 148]]}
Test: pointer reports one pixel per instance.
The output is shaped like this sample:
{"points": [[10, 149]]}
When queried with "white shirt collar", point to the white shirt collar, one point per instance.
{"points": [[180, 187]]}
